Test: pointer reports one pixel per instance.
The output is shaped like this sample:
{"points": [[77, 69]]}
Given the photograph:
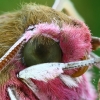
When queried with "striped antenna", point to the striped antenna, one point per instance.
{"points": [[10, 54]]}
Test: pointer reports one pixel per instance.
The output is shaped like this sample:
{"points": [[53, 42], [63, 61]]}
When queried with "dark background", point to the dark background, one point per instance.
{"points": [[88, 9]]}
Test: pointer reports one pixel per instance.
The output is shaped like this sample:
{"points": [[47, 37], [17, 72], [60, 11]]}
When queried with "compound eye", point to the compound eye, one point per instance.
{"points": [[40, 49]]}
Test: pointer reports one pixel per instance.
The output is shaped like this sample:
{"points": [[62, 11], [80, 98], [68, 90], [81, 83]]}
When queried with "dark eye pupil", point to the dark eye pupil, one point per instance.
{"points": [[41, 50]]}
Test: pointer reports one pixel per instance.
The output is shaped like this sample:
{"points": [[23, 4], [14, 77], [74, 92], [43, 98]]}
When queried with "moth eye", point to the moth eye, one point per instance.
{"points": [[40, 49]]}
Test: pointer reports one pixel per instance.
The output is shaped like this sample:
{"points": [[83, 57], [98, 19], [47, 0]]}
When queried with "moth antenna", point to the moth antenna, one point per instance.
{"points": [[10, 54]]}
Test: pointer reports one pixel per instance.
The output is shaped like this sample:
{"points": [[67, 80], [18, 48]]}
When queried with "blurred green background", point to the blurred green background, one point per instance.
{"points": [[88, 9]]}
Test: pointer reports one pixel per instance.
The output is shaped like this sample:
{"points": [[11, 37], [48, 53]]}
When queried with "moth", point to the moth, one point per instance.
{"points": [[45, 56]]}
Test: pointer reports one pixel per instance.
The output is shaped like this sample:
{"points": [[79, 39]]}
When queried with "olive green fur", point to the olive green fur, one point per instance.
{"points": [[13, 24]]}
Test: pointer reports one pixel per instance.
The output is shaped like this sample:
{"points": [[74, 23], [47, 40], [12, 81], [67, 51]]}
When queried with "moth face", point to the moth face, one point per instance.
{"points": [[54, 58], [46, 58]]}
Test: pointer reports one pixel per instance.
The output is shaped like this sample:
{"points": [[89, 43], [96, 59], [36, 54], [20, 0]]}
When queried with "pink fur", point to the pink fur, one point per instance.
{"points": [[57, 90], [75, 41], [49, 30], [75, 44], [24, 92], [54, 89]]}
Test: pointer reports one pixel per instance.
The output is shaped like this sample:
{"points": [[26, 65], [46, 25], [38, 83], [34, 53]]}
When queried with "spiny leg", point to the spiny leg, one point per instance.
{"points": [[12, 94]]}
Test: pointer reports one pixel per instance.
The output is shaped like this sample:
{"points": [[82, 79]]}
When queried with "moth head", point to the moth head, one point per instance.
{"points": [[51, 43]]}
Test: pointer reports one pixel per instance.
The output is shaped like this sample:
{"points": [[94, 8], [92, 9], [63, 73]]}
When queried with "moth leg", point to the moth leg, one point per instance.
{"points": [[11, 93], [95, 42], [69, 81], [34, 88], [67, 7]]}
